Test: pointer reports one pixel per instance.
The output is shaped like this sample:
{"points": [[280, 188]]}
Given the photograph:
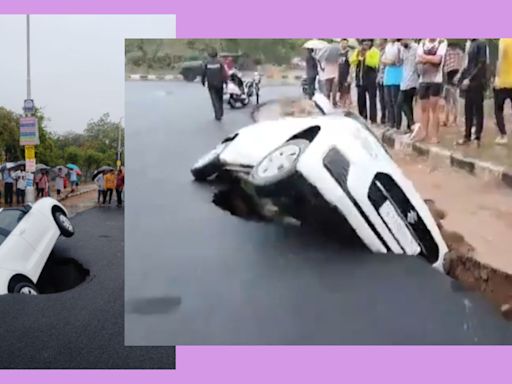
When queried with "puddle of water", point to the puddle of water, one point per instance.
{"points": [[154, 305]]}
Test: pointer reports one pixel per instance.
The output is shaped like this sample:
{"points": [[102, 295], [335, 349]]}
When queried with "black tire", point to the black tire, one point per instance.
{"points": [[63, 222], [232, 102], [203, 170], [23, 286], [189, 76], [273, 184]]}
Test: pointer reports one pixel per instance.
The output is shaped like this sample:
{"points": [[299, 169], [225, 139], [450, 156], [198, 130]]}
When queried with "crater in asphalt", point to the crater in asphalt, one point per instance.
{"points": [[154, 305], [237, 202], [61, 274]]}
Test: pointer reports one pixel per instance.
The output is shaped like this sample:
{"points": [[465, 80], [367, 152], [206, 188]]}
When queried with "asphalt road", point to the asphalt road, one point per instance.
{"points": [[197, 275], [81, 328]]}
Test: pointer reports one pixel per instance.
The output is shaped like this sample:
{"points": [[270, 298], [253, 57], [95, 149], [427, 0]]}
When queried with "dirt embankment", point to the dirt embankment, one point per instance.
{"points": [[471, 273]]}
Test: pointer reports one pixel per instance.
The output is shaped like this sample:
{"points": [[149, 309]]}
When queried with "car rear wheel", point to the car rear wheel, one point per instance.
{"points": [[64, 224], [209, 164], [278, 167], [23, 286]]}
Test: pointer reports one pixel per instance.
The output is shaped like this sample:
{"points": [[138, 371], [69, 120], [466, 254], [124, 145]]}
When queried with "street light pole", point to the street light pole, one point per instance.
{"points": [[29, 192], [29, 85], [118, 160]]}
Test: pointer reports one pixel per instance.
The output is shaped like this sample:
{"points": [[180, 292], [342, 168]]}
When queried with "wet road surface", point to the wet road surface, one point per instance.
{"points": [[197, 275]]}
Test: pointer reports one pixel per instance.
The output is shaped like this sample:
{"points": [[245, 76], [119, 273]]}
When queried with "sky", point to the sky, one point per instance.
{"points": [[77, 63]]}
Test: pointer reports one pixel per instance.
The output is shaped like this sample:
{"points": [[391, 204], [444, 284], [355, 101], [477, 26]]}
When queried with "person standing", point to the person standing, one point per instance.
{"points": [[380, 83], [344, 80], [110, 184], [453, 63], [366, 62], [503, 86], [311, 72], [59, 182], [73, 180], [430, 59], [100, 183], [119, 187], [43, 184], [392, 80], [409, 83], [215, 75], [21, 184], [327, 76], [8, 187], [473, 81]]}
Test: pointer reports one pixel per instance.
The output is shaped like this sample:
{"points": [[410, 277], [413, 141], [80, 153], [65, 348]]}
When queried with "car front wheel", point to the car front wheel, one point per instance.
{"points": [[64, 224]]}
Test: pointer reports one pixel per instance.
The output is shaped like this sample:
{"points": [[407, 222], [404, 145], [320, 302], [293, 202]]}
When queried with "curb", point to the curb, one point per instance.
{"points": [[81, 192], [474, 167], [267, 80]]}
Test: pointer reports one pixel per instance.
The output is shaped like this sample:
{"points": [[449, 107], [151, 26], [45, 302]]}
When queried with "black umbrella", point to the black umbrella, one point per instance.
{"points": [[101, 170], [5, 166], [42, 167]]}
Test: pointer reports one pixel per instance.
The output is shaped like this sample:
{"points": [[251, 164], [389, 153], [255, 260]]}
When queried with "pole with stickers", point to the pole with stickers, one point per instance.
{"points": [[29, 130]]}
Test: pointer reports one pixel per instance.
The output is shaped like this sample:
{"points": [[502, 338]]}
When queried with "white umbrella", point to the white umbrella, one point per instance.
{"points": [[315, 44]]}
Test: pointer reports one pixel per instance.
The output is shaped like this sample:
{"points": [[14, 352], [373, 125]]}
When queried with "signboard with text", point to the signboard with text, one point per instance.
{"points": [[30, 152], [30, 165], [29, 132]]}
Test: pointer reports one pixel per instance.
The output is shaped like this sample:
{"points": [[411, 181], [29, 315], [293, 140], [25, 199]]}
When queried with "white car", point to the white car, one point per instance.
{"points": [[329, 171], [27, 237]]}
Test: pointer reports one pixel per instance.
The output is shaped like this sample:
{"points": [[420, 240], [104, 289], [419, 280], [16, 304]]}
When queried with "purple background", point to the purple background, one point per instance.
{"points": [[296, 365]]}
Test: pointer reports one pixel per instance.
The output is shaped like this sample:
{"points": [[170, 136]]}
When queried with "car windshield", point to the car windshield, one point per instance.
{"points": [[9, 219]]}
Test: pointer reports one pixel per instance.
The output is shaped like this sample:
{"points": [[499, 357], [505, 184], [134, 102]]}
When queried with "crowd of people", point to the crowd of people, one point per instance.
{"points": [[15, 184], [395, 74], [107, 182]]}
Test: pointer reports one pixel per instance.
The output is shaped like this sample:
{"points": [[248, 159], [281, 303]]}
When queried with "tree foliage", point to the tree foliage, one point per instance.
{"points": [[94, 147]]}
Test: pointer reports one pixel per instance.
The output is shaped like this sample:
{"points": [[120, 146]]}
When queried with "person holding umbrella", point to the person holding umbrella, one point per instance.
{"points": [[21, 184], [59, 182], [100, 183]]}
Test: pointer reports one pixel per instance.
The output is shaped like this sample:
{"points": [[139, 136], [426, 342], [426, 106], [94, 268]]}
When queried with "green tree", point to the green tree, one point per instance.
{"points": [[10, 136]]}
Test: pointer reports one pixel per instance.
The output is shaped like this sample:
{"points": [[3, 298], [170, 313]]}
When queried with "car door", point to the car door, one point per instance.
{"points": [[40, 233]]}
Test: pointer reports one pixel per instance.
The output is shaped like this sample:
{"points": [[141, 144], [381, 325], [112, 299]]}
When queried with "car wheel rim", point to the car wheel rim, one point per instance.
{"points": [[65, 222], [210, 156], [279, 161], [28, 291]]}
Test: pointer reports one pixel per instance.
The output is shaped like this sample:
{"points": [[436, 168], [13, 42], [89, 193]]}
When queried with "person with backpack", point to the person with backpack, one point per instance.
{"points": [[430, 60], [473, 82]]}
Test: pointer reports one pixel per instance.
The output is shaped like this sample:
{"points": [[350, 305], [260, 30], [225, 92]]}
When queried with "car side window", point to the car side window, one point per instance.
{"points": [[9, 219]]}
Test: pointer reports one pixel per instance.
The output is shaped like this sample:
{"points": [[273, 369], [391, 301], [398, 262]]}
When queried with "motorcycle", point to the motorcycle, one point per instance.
{"points": [[240, 92]]}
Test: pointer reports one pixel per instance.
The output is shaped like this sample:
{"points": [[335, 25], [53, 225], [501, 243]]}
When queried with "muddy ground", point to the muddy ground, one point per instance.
{"points": [[475, 217]]}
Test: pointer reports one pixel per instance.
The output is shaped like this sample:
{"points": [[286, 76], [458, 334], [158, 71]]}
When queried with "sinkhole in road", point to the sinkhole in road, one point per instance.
{"points": [[461, 265], [61, 274]]}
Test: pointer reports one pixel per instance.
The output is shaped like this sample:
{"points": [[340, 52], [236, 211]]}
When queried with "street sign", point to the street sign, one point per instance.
{"points": [[29, 107], [29, 180], [29, 132], [30, 152], [30, 165]]}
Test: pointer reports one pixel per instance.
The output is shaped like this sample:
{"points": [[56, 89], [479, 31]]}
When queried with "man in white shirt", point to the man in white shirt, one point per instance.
{"points": [[430, 59], [21, 184]]}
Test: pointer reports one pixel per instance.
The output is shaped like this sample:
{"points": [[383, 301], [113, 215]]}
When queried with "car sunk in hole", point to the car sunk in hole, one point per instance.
{"points": [[330, 171], [27, 237]]}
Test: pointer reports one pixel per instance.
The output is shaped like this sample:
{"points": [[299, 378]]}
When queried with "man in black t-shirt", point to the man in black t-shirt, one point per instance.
{"points": [[473, 81]]}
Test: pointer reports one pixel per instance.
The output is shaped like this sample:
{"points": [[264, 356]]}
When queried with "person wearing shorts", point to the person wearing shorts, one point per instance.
{"points": [[430, 59]]}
